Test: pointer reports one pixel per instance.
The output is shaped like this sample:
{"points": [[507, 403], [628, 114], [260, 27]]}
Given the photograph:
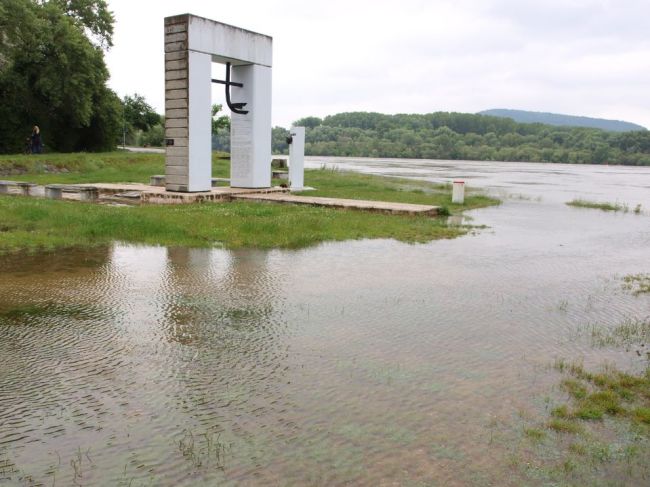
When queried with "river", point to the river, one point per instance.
{"points": [[369, 362]]}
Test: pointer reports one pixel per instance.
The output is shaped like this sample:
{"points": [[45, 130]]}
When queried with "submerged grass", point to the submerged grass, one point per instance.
{"points": [[631, 331], [29, 223], [606, 393], [598, 434], [604, 206], [637, 283]]}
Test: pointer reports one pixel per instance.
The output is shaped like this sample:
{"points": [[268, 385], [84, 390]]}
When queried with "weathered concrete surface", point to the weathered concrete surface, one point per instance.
{"points": [[347, 204], [158, 194]]}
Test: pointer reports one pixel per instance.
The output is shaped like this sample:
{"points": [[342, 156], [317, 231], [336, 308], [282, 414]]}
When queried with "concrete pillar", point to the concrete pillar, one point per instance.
{"points": [[250, 134], [200, 122], [176, 104], [297, 158]]}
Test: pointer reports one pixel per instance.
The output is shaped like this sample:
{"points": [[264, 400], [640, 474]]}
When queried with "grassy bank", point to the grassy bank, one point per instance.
{"points": [[110, 167], [30, 223], [340, 184]]}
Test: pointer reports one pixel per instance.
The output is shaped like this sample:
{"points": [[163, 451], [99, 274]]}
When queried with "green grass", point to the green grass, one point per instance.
{"points": [[342, 184], [30, 223], [109, 167], [603, 206]]}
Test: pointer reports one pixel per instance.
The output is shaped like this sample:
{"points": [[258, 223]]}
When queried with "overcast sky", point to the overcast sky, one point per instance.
{"points": [[579, 57]]}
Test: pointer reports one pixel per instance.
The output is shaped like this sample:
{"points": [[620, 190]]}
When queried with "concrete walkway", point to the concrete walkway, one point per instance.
{"points": [[365, 205], [158, 195]]}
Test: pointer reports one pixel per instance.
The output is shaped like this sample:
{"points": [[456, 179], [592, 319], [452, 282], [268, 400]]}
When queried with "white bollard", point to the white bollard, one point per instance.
{"points": [[458, 194], [297, 159]]}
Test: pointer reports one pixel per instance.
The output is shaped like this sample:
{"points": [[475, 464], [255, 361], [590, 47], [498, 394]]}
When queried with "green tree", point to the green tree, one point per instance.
{"points": [[138, 114], [308, 122], [53, 76], [219, 122], [92, 15]]}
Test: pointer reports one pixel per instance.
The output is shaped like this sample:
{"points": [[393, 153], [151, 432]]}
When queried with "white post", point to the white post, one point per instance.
{"points": [[297, 159], [458, 193]]}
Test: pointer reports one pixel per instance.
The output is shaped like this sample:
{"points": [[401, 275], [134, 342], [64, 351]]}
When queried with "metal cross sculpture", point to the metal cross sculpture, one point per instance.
{"points": [[235, 107]]}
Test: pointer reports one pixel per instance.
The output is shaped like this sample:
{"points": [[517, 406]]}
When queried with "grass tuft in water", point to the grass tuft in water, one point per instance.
{"points": [[637, 283], [630, 331], [535, 434], [565, 426], [608, 393], [603, 206]]}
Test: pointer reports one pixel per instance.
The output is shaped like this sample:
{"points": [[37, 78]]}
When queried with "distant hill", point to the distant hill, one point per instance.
{"points": [[524, 116]]}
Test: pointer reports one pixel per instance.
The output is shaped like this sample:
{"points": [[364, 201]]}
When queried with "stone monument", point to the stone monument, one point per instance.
{"points": [[192, 44]]}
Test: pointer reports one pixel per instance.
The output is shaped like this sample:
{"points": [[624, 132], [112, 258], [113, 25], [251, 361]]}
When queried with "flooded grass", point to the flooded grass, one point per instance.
{"points": [[631, 331], [598, 433], [603, 206], [637, 283], [609, 392]]}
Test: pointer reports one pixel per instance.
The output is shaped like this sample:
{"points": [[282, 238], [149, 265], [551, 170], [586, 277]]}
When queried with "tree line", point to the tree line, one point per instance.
{"points": [[443, 135]]}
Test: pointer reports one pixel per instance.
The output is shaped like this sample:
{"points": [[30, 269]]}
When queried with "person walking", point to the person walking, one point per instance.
{"points": [[37, 146]]}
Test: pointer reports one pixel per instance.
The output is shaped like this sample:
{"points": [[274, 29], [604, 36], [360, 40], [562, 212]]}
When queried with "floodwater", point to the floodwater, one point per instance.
{"points": [[367, 362]]}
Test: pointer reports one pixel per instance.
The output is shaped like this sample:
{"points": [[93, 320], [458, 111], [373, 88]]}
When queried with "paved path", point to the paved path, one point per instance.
{"points": [[376, 206]]}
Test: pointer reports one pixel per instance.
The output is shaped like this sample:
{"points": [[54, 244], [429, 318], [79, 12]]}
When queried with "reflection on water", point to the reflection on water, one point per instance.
{"points": [[366, 362]]}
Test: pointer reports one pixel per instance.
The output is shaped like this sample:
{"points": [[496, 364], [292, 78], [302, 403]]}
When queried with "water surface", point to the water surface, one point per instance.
{"points": [[366, 362]]}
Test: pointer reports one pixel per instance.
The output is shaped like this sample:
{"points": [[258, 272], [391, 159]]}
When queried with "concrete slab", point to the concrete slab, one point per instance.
{"points": [[157, 194], [365, 205]]}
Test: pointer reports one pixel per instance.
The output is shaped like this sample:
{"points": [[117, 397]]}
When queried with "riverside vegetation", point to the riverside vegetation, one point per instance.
{"points": [[31, 223], [465, 136]]}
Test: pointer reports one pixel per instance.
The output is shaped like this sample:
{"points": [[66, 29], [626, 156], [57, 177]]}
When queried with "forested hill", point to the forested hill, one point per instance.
{"points": [[524, 116], [444, 135]]}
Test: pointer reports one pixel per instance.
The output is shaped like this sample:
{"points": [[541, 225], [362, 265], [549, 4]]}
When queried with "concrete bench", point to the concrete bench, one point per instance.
{"points": [[278, 163], [216, 181], [54, 191], [280, 174], [157, 180], [86, 193], [25, 188]]}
